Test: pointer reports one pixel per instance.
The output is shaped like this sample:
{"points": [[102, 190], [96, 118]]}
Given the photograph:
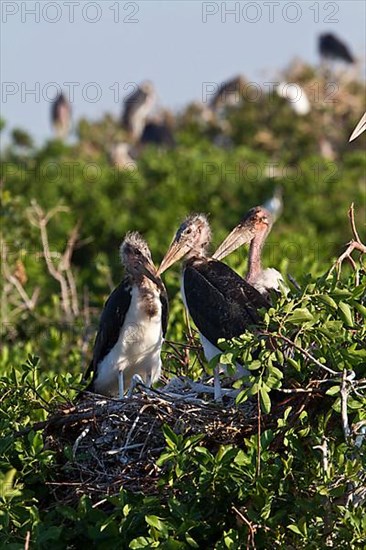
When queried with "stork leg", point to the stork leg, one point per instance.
{"points": [[217, 385], [136, 379], [121, 385]]}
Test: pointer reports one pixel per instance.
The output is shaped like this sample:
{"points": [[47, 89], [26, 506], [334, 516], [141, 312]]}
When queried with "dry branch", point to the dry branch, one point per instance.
{"points": [[355, 244], [62, 273]]}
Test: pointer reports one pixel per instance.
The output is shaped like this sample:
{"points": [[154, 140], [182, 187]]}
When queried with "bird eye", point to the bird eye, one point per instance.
{"points": [[188, 231]]}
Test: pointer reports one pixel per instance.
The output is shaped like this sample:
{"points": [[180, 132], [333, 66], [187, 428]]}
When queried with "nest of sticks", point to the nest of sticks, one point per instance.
{"points": [[103, 444]]}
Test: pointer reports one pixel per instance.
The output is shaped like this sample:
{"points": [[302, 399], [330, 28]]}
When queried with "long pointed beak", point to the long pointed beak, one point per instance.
{"points": [[175, 252], [361, 127], [239, 235], [149, 270]]}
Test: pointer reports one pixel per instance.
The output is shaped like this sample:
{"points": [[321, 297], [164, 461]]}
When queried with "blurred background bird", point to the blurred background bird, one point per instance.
{"points": [[61, 116], [229, 93], [274, 204], [137, 107], [159, 131], [295, 96], [332, 48]]}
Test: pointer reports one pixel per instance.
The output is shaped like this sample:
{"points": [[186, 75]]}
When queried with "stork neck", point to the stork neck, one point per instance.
{"points": [[255, 258], [198, 253], [195, 258]]}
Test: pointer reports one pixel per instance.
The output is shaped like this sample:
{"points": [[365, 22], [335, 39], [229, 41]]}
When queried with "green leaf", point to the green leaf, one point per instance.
{"points": [[265, 400], [333, 390], [361, 309], [156, 522], [192, 543], [300, 315], [345, 313], [140, 542], [295, 529], [172, 439], [327, 300]]}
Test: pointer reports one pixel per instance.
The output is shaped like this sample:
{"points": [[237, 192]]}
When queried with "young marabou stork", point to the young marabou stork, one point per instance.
{"points": [[220, 302], [132, 325], [257, 223]]}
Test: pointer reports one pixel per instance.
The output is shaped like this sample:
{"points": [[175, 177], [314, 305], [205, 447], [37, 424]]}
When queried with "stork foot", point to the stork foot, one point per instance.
{"points": [[217, 385], [135, 381], [121, 385]]}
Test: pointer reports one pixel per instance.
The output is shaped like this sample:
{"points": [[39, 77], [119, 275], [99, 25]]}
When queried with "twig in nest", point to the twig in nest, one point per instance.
{"points": [[83, 434], [355, 244]]}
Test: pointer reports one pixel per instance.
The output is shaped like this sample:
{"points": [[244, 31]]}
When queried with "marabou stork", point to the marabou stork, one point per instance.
{"points": [[229, 93], [220, 302], [295, 96], [330, 47], [61, 116], [137, 107], [132, 325], [361, 127], [257, 223]]}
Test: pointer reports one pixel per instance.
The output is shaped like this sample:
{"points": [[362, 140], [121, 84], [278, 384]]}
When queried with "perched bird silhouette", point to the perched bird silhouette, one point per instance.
{"points": [[136, 109], [61, 116], [229, 93], [331, 47]]}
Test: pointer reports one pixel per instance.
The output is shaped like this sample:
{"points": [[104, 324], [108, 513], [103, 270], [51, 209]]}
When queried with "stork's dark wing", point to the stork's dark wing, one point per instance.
{"points": [[158, 134], [111, 320], [164, 309], [330, 46], [220, 302]]}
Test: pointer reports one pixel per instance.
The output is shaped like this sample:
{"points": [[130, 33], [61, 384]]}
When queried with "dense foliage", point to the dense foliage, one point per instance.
{"points": [[65, 211]]}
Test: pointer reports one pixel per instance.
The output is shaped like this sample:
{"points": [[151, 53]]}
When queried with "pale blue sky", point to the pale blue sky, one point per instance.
{"points": [[169, 44]]}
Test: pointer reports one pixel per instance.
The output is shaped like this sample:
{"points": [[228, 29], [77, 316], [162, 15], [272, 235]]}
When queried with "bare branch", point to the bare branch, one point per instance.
{"points": [[303, 351], [29, 303], [40, 219], [344, 397], [66, 257], [355, 244], [351, 215]]}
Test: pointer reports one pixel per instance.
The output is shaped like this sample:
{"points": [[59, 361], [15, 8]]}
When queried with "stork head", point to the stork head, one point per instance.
{"points": [[147, 87], [191, 240], [257, 223], [136, 256]]}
